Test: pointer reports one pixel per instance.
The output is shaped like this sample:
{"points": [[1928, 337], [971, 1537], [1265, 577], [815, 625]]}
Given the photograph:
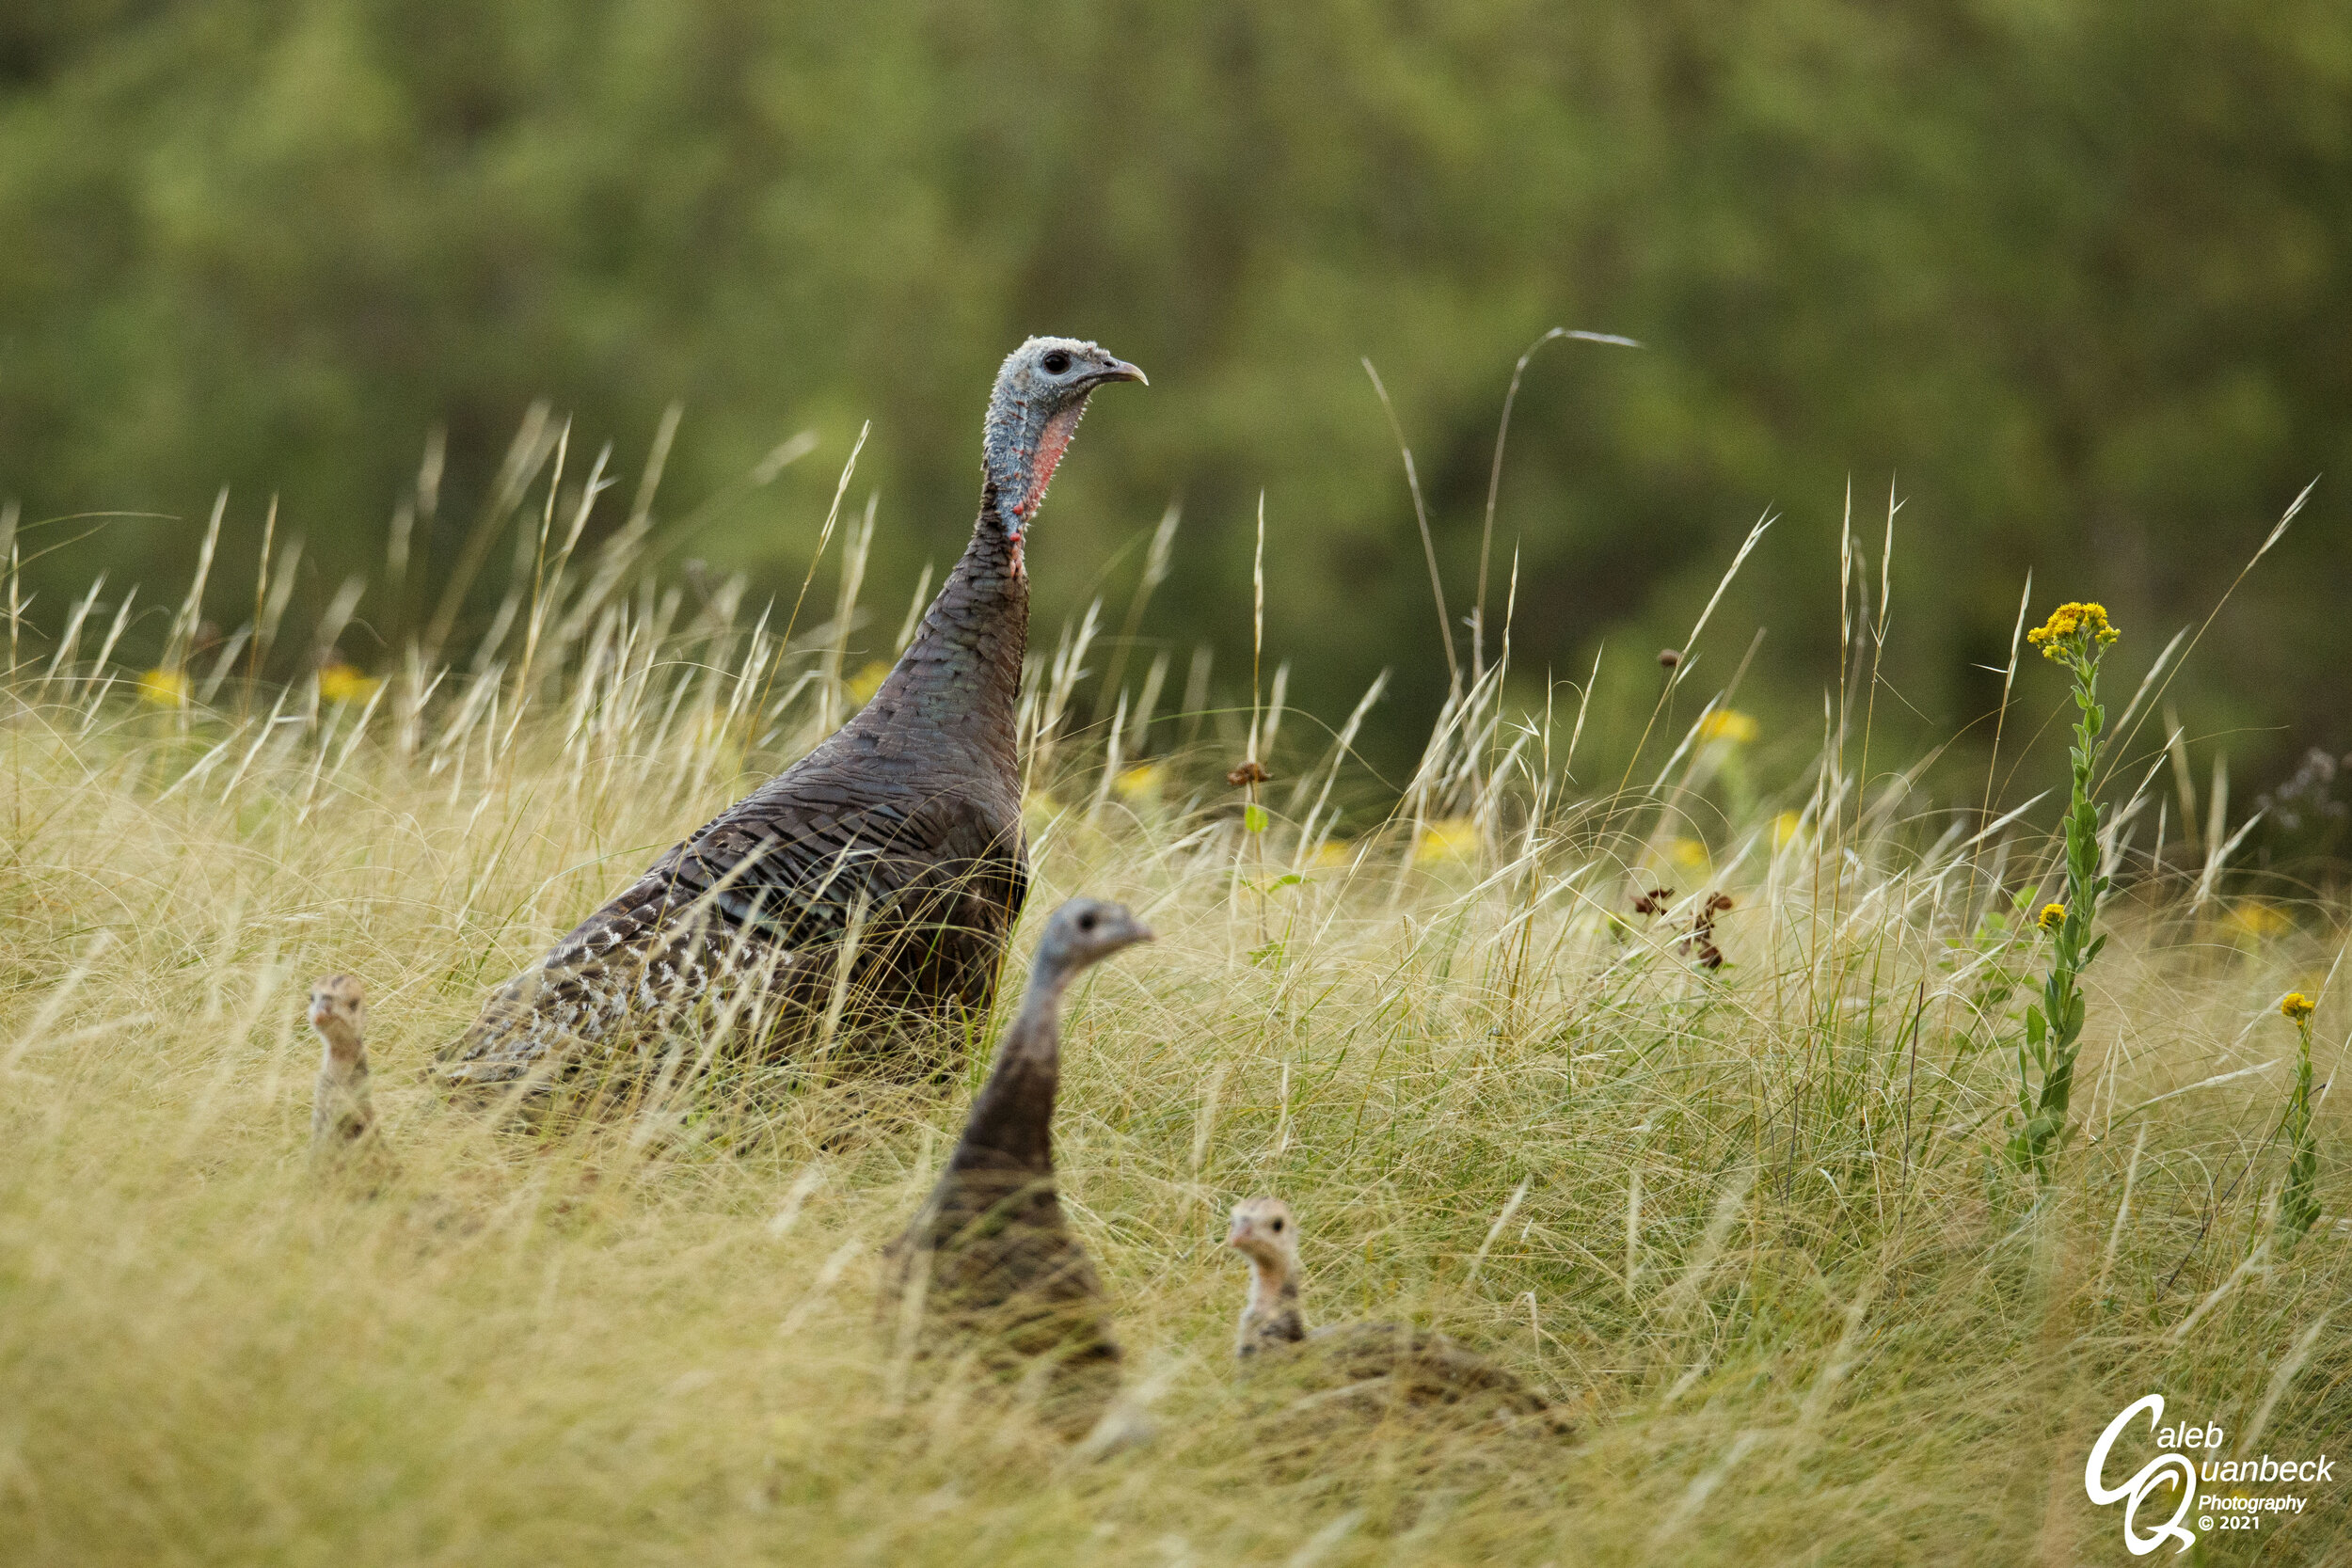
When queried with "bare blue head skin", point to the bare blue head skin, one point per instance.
{"points": [[1041, 393]]}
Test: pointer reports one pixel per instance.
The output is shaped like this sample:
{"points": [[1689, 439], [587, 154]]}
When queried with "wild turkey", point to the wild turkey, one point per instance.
{"points": [[987, 1262], [343, 1112], [1381, 1365], [897, 839]]}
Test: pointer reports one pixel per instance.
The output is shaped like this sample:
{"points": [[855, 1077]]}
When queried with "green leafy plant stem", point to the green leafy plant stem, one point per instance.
{"points": [[2054, 1026], [2298, 1205]]}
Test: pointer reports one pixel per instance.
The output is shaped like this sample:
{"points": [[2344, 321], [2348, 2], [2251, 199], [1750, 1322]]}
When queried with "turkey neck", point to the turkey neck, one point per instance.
{"points": [[960, 679], [1011, 1124], [345, 1060], [1273, 1303]]}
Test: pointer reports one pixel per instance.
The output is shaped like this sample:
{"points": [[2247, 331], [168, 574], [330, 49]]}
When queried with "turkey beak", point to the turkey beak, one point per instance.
{"points": [[1240, 1231], [1119, 369]]}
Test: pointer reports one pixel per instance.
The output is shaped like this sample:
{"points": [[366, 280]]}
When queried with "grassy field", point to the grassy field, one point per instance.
{"points": [[1750, 1224]]}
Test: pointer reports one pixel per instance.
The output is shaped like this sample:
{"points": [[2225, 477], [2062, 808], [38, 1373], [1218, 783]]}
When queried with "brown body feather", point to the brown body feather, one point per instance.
{"points": [[905, 825]]}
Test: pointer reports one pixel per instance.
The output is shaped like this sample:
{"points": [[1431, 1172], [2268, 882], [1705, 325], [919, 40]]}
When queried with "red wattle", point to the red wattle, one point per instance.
{"points": [[1050, 446]]}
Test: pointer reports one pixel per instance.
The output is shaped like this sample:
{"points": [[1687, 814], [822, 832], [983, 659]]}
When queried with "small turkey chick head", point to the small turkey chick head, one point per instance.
{"points": [[1265, 1232], [1085, 931], [1041, 393], [339, 1011]]}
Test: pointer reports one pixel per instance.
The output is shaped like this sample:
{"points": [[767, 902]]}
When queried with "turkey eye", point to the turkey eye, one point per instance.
{"points": [[1086, 923], [1056, 363], [1278, 1227]]}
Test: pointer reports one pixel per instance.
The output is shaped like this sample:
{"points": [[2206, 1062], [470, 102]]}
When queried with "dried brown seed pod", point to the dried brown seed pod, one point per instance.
{"points": [[1251, 772]]}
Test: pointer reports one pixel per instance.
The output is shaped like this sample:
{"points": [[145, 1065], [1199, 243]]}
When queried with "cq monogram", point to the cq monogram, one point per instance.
{"points": [[2176, 1469]]}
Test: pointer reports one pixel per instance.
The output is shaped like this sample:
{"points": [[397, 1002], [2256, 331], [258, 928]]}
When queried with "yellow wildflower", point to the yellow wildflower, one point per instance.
{"points": [[1456, 838], [2052, 917], [1141, 781], [339, 683], [1728, 724], [868, 680], [2072, 629], [163, 687], [1688, 852], [2258, 919], [2294, 1004], [1335, 853]]}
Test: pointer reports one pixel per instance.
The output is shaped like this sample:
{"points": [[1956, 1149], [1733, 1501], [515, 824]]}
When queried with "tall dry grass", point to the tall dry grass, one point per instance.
{"points": [[1751, 1225]]}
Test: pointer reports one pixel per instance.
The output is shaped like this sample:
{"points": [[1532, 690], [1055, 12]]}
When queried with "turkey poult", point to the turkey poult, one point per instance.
{"points": [[1391, 1363], [904, 824], [343, 1112], [989, 1263]]}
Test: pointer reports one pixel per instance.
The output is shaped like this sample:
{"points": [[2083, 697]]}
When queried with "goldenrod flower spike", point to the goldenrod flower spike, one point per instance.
{"points": [[2299, 1199], [2076, 636], [2073, 629]]}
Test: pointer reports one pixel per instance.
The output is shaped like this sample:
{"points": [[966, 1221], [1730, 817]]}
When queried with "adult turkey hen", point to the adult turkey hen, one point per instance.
{"points": [[895, 849]]}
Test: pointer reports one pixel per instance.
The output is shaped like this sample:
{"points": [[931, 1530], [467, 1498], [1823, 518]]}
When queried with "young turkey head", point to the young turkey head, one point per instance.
{"points": [[1265, 1232], [1084, 931], [339, 1011]]}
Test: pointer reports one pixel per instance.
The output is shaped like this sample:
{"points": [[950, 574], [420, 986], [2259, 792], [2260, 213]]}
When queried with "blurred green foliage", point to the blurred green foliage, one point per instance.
{"points": [[2070, 276]]}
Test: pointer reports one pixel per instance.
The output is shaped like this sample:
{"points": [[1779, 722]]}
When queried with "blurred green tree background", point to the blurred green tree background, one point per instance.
{"points": [[2070, 276]]}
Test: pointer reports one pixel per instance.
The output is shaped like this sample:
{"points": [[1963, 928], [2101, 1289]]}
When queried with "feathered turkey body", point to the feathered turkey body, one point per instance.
{"points": [[895, 849], [990, 1261]]}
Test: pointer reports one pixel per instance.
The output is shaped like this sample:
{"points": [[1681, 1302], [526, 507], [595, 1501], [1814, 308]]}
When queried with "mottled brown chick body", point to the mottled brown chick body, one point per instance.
{"points": [[1380, 1365], [989, 1264]]}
